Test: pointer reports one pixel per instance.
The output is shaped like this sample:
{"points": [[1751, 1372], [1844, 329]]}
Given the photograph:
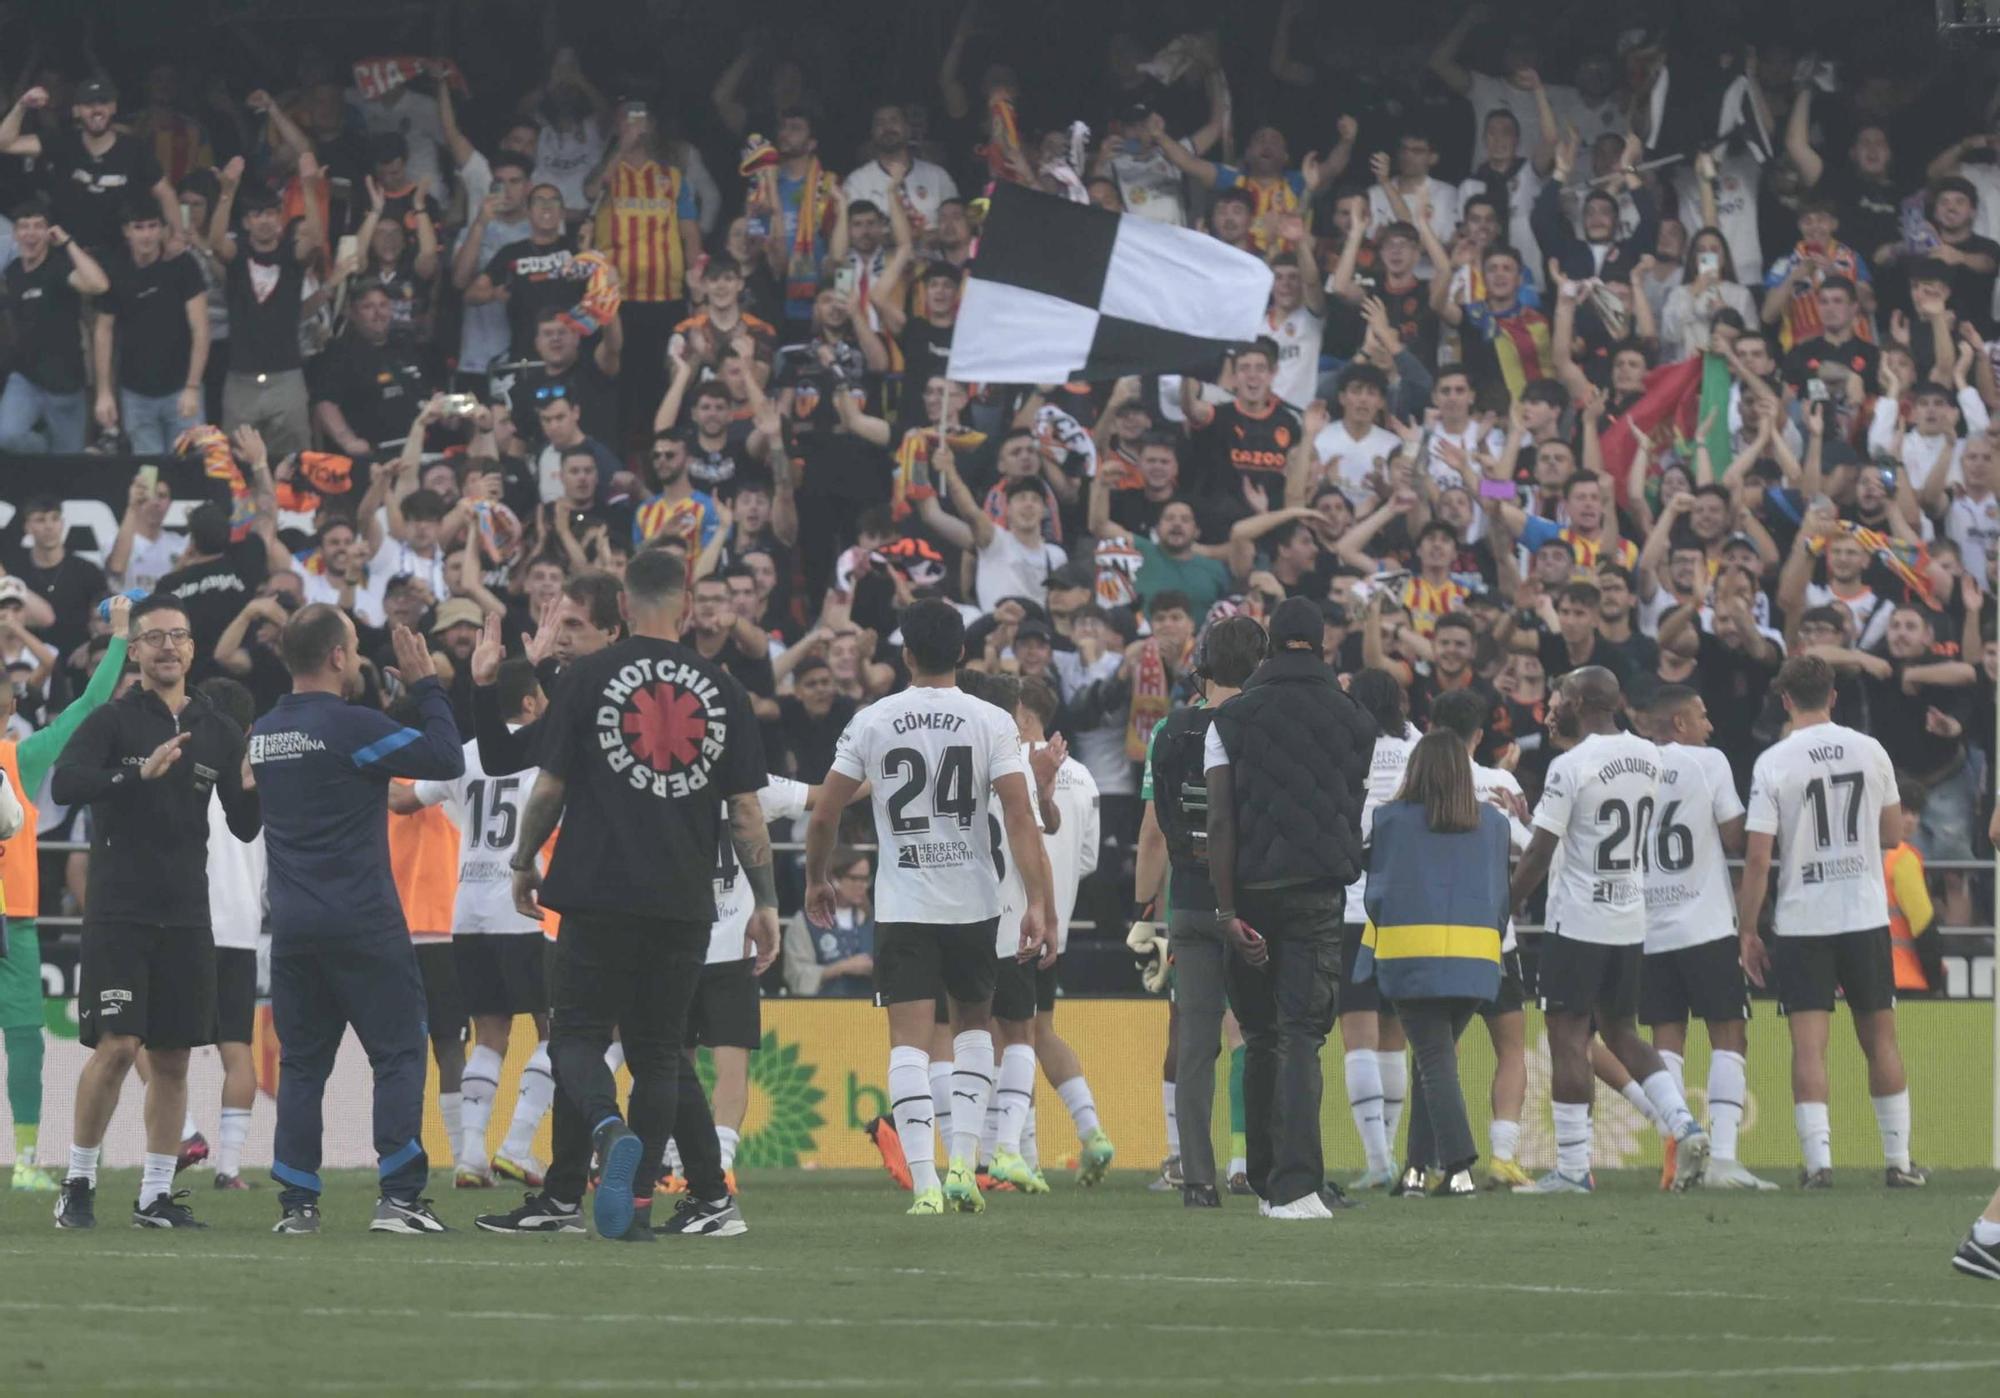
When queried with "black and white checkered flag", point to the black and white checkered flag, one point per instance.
{"points": [[1063, 291]]}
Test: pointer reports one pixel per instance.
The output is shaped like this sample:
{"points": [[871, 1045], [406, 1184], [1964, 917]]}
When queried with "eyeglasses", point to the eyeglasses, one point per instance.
{"points": [[551, 390], [179, 636]]}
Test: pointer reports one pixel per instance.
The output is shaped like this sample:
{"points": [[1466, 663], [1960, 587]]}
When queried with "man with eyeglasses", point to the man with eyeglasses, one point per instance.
{"points": [[146, 764], [590, 381], [532, 275]]}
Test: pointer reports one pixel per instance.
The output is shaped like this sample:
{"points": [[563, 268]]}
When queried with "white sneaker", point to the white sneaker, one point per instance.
{"points": [[1305, 1206], [1729, 1174]]}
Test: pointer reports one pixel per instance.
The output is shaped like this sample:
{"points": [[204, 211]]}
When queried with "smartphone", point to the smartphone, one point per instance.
{"points": [[1490, 489], [460, 405], [1815, 390], [844, 280], [150, 475], [1708, 262]]}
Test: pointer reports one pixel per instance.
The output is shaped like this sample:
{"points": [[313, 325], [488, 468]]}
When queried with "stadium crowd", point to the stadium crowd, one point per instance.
{"points": [[1565, 366]]}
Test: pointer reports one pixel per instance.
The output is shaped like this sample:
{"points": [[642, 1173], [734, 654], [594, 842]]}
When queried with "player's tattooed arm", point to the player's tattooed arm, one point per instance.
{"points": [[752, 840]]}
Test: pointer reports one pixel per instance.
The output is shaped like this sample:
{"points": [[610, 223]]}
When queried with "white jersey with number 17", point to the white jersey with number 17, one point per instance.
{"points": [[932, 756], [1598, 801], [1688, 897], [1821, 792]]}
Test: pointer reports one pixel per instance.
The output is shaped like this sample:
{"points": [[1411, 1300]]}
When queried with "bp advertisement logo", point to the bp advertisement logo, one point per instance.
{"points": [[778, 1128]]}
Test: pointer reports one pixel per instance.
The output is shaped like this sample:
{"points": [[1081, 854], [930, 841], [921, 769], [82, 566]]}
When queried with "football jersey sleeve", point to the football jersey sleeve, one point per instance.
{"points": [[1003, 745], [782, 799], [1762, 817], [432, 793], [1558, 792], [850, 750], [1725, 803]]}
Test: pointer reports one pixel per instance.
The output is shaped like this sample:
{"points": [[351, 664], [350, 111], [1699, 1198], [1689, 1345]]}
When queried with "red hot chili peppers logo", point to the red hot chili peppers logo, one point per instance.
{"points": [[662, 726]]}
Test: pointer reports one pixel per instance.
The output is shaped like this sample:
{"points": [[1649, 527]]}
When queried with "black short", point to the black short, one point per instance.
{"points": [[444, 1005], [1363, 997], [1859, 964], [1023, 988], [235, 995], [156, 984], [1704, 981], [725, 1010], [501, 973], [1590, 978], [1513, 992], [913, 959]]}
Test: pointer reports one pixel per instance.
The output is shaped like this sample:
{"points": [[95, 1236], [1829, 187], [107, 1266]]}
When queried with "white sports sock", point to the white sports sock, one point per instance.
{"points": [[157, 1180], [1082, 1106], [1237, 1166], [1727, 1087], [478, 1085], [971, 1086], [1669, 1103], [1031, 1150], [672, 1159], [1815, 1135], [189, 1127], [1015, 1092], [229, 1142], [727, 1138], [614, 1057], [1892, 1119], [1503, 1138], [915, 1113], [451, 1106], [1985, 1233], [1173, 1120], [940, 1076], [1395, 1091], [538, 1090], [1643, 1105], [1364, 1100], [83, 1163], [1573, 1138], [1677, 1066], [989, 1121]]}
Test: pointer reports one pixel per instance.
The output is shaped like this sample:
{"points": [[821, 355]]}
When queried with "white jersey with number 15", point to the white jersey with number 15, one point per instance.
{"points": [[1821, 792], [932, 755]]}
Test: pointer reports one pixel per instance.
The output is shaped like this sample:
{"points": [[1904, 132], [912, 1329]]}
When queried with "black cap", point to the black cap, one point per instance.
{"points": [[1032, 630], [95, 90], [1296, 620]]}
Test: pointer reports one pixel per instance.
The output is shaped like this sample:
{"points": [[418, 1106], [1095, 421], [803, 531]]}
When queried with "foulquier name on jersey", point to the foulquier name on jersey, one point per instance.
{"points": [[1628, 766]]}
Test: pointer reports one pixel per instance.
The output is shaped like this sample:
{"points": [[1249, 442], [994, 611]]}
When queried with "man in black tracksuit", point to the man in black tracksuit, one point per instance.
{"points": [[146, 765], [1286, 761]]}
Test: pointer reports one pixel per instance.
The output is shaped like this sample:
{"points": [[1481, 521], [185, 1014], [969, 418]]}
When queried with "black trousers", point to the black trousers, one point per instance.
{"points": [[1286, 1008], [635, 976], [1440, 1133]]}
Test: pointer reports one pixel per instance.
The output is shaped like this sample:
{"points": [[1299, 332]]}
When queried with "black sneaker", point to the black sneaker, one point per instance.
{"points": [[1336, 1198], [408, 1216], [1456, 1185], [705, 1218], [537, 1214], [299, 1218], [167, 1211], [1815, 1179], [1410, 1185], [1912, 1177], [76, 1206], [1200, 1196], [1975, 1259], [1239, 1184], [616, 1201]]}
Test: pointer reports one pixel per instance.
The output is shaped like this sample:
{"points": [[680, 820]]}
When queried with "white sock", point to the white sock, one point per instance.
{"points": [[478, 1085], [189, 1128], [614, 1057], [1815, 1135], [1031, 1150], [1643, 1105], [727, 1138], [538, 1090], [1082, 1106], [1173, 1120], [1237, 1166], [971, 1086], [1015, 1092], [915, 1113], [1395, 1091], [1727, 1088], [989, 1121], [1364, 1100], [1669, 1103], [83, 1163], [157, 1181], [940, 1075], [229, 1142], [1677, 1066], [672, 1159], [1986, 1233], [1573, 1139], [1503, 1138], [451, 1106], [1892, 1119]]}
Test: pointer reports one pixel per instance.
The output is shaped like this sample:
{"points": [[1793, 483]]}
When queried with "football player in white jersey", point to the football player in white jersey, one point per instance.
{"points": [[1692, 964], [497, 952], [1591, 829], [1371, 1037], [1825, 798], [1465, 712], [935, 756]]}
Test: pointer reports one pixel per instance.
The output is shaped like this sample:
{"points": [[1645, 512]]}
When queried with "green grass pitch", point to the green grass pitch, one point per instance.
{"points": [[1113, 1290]]}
